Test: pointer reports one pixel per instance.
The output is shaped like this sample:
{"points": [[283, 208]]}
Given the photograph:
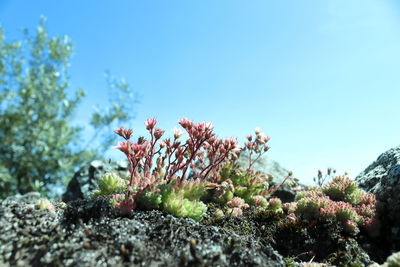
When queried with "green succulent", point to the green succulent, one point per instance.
{"points": [[309, 206], [173, 202], [181, 207], [342, 188], [149, 199], [275, 204], [247, 184], [110, 183]]}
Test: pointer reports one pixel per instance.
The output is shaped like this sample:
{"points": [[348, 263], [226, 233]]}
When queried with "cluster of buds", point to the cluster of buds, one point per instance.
{"points": [[257, 146], [309, 207], [217, 151], [368, 199], [236, 207], [237, 202], [342, 211], [339, 200], [366, 210]]}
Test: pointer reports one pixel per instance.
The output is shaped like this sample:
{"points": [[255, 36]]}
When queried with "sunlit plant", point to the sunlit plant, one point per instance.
{"points": [[159, 168], [180, 176]]}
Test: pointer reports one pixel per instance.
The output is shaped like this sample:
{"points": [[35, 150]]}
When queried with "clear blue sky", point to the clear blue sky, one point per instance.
{"points": [[320, 77]]}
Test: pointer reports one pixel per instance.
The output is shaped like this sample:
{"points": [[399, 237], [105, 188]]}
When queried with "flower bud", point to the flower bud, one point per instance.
{"points": [[177, 132], [158, 133], [150, 123]]}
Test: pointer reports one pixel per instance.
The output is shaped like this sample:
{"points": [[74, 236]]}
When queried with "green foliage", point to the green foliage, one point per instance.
{"points": [[40, 147]]}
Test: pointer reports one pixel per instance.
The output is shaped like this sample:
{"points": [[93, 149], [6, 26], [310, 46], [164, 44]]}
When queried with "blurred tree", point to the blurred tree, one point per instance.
{"points": [[39, 146]]}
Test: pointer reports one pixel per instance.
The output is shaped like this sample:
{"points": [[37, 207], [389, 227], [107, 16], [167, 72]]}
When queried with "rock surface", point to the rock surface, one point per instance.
{"points": [[382, 178], [86, 179], [88, 234], [372, 177]]}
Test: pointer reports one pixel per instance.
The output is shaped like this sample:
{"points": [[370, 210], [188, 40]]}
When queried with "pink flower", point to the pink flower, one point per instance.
{"points": [[249, 145], [136, 148], [232, 142], [150, 123], [120, 131], [126, 134], [185, 123], [209, 126], [203, 129], [158, 133], [124, 147], [177, 132]]}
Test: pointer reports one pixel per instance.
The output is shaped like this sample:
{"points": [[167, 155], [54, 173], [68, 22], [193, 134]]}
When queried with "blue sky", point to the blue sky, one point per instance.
{"points": [[319, 77]]}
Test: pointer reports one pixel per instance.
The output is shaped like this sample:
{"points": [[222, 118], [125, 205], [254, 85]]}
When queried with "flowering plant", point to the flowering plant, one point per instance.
{"points": [[177, 176], [201, 155]]}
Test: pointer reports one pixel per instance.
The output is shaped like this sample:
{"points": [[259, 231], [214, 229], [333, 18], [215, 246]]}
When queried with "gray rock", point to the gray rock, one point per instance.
{"points": [[382, 178], [28, 198], [371, 178], [86, 179]]}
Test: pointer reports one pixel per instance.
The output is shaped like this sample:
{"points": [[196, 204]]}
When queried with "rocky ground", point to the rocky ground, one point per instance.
{"points": [[90, 233]]}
